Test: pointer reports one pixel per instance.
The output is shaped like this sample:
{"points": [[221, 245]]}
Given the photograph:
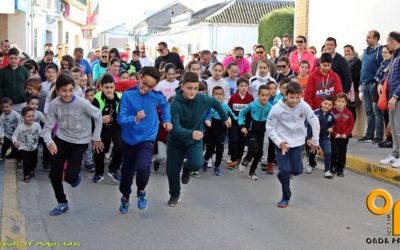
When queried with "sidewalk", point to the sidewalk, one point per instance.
{"points": [[363, 158]]}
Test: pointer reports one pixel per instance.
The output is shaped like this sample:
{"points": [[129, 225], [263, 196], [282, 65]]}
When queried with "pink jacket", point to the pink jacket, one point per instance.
{"points": [[294, 60]]}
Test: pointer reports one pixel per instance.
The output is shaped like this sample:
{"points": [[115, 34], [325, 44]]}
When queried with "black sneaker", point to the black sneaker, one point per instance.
{"points": [[185, 175], [97, 178], [377, 140], [385, 144], [156, 166], [115, 176], [173, 201], [340, 174], [365, 139]]}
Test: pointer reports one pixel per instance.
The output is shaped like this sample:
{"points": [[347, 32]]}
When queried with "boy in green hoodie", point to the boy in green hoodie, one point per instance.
{"points": [[186, 138]]}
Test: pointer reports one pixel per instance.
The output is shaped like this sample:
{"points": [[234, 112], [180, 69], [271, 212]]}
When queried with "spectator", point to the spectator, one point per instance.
{"points": [[145, 61], [261, 55], [205, 60], [5, 46], [78, 57], [274, 53], [283, 67], [393, 80], [380, 78], [100, 68], [339, 64], [277, 42], [243, 63], [300, 54], [66, 49], [59, 55], [355, 68], [32, 67], [286, 47], [371, 61], [12, 81], [167, 56], [46, 61], [125, 55], [214, 57]]}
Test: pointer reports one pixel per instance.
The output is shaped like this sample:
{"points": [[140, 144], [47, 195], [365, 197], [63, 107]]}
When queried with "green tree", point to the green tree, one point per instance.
{"points": [[274, 24]]}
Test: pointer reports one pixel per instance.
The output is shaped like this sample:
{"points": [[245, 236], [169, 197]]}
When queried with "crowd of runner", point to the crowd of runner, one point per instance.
{"points": [[144, 114]]}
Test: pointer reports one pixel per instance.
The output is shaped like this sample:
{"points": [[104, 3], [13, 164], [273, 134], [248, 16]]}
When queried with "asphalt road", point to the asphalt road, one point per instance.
{"points": [[226, 212]]}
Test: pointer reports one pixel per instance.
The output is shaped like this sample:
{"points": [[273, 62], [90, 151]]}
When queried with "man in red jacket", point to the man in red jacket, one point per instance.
{"points": [[344, 123], [322, 82]]}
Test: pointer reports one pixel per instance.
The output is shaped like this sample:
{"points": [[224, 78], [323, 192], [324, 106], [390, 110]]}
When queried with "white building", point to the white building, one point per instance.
{"points": [[32, 23], [219, 27], [349, 20]]}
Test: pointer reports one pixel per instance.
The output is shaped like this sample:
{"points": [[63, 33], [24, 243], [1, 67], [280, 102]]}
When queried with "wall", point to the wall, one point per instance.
{"points": [[18, 30], [350, 20], [228, 36], [301, 18]]}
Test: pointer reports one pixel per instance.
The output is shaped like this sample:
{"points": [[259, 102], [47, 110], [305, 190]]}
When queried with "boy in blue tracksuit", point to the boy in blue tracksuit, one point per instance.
{"points": [[138, 118], [255, 135], [214, 136], [326, 121]]}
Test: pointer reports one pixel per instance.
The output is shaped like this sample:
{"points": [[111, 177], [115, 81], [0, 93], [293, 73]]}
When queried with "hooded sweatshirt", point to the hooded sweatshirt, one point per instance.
{"points": [[320, 85], [132, 101], [188, 115], [295, 60], [212, 83], [286, 124]]}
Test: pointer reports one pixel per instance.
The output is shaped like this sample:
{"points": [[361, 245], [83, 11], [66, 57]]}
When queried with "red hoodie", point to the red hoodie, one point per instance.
{"points": [[344, 122], [236, 103], [320, 85]]}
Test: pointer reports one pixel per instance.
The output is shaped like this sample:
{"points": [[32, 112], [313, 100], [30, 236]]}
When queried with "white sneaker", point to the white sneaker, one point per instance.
{"points": [[242, 167], [396, 163], [388, 160], [308, 170], [328, 175], [253, 177]]}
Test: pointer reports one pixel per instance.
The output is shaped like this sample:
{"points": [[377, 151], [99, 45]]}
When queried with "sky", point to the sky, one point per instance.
{"points": [[115, 12]]}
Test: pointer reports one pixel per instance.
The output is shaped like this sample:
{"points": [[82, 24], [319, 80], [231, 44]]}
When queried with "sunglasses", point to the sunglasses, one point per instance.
{"points": [[104, 57], [259, 52], [97, 51], [281, 66], [239, 57], [160, 50], [299, 41], [60, 48]]}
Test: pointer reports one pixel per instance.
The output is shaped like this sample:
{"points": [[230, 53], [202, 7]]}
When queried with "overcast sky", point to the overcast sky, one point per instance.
{"points": [[115, 12]]}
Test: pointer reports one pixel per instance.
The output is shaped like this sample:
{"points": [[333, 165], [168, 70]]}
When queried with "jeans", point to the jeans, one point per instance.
{"points": [[136, 159], [325, 145], [289, 163], [374, 115], [29, 161], [255, 152], [108, 134]]}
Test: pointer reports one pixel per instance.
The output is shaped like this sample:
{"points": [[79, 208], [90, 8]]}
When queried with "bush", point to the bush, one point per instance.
{"points": [[277, 23]]}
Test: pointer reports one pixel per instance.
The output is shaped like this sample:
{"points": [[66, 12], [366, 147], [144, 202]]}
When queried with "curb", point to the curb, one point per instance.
{"points": [[12, 221], [373, 169]]}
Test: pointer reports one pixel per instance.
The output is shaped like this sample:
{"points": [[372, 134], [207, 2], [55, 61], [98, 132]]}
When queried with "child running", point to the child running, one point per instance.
{"points": [[238, 102], [214, 136], [285, 126], [9, 120], [138, 119], [187, 116], [73, 116], [326, 121], [26, 139], [259, 110]]}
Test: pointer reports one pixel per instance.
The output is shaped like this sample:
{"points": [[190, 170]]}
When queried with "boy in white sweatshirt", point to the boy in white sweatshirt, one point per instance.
{"points": [[285, 126]]}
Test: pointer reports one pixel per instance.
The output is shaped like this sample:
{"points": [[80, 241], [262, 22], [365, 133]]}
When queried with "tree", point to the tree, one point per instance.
{"points": [[274, 24]]}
